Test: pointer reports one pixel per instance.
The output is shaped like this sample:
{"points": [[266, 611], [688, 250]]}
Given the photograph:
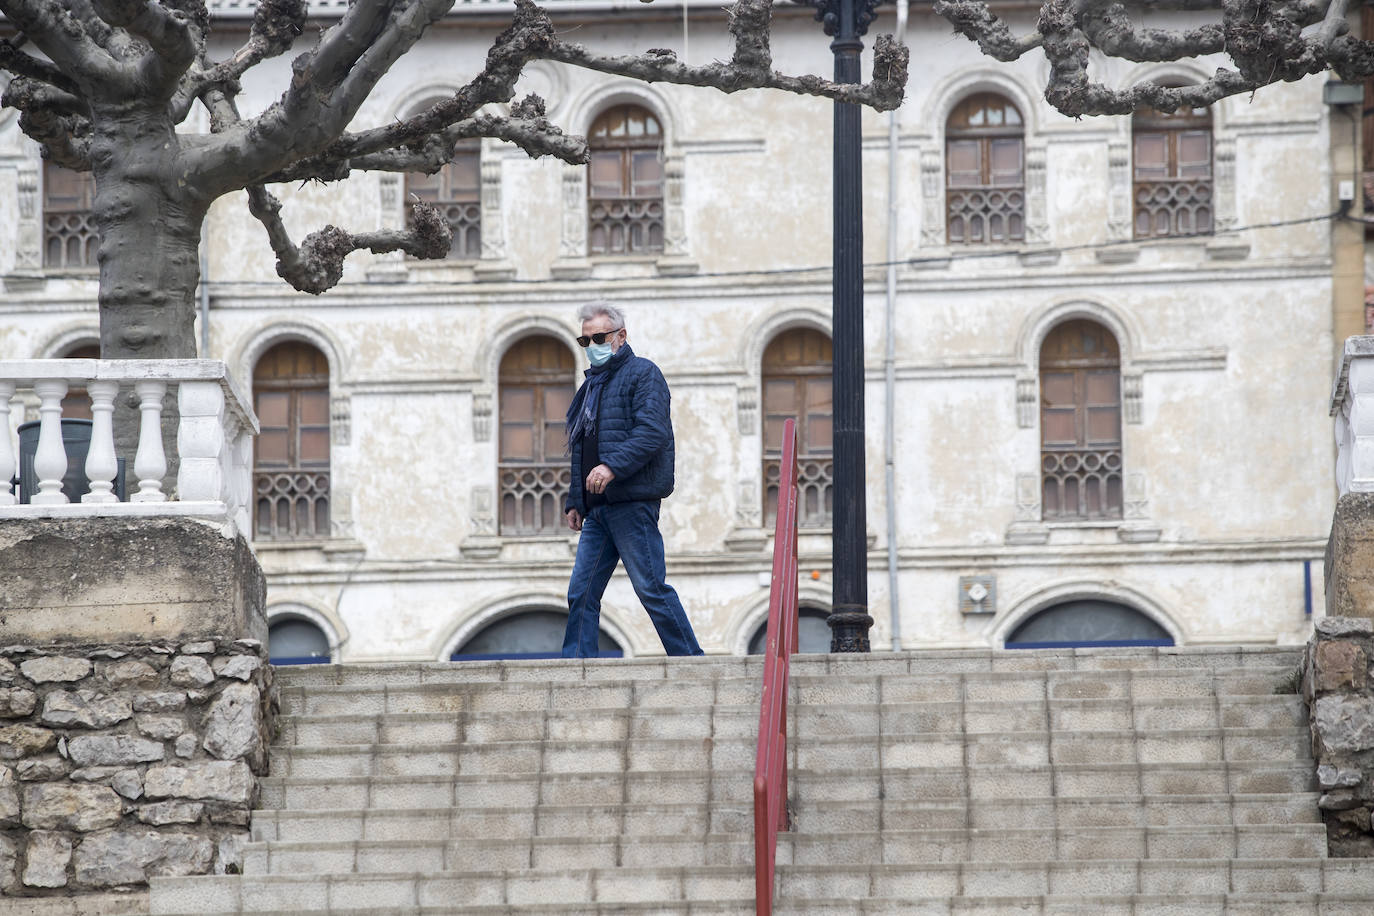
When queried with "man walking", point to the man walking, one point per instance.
{"points": [[620, 438]]}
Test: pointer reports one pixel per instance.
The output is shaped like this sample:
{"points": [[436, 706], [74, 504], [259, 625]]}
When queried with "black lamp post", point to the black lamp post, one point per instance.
{"points": [[846, 21]]}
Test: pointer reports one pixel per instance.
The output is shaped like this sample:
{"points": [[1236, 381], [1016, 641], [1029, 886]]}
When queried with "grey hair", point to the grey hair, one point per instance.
{"points": [[601, 307]]}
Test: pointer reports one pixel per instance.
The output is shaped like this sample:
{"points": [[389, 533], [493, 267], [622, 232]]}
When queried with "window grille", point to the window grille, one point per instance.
{"points": [[69, 234], [536, 388], [797, 383], [1080, 423], [985, 185], [291, 454], [456, 191], [625, 183], [1172, 156]]}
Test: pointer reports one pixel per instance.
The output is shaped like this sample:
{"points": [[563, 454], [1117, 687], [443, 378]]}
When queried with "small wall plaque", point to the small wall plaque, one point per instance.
{"points": [[977, 594]]}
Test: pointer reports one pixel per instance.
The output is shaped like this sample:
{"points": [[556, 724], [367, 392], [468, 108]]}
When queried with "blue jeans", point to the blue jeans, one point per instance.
{"points": [[629, 532]]}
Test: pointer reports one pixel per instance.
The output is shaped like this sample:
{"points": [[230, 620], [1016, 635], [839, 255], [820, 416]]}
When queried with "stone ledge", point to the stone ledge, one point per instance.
{"points": [[109, 580]]}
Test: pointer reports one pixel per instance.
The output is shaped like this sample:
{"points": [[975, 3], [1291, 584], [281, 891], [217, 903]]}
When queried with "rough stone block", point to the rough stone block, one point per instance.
{"points": [[7, 671], [131, 673], [205, 647], [1339, 665], [1337, 627], [56, 806], [160, 701], [9, 864], [84, 709], [234, 728], [186, 746], [46, 859], [1345, 723], [16, 702], [191, 671], [210, 780], [113, 750], [240, 667], [162, 728], [128, 784], [1332, 777], [116, 857], [50, 668], [41, 769], [170, 812], [18, 741], [97, 581], [9, 798]]}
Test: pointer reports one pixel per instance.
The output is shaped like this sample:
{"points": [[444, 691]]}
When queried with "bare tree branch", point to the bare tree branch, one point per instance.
{"points": [[276, 25], [317, 265], [52, 118], [66, 42], [21, 64], [1264, 38]]}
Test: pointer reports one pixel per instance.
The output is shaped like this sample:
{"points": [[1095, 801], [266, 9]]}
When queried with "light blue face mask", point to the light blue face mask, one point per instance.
{"points": [[597, 354]]}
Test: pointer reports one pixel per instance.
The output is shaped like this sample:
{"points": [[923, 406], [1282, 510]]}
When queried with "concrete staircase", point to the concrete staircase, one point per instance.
{"points": [[1099, 782]]}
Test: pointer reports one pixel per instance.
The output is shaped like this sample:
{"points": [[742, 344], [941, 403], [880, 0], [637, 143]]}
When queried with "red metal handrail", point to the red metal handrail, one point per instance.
{"points": [[770, 766]]}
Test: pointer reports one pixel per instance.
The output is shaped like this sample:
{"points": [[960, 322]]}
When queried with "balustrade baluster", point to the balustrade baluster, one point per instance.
{"points": [[101, 463], [7, 497], [50, 461], [150, 463]]}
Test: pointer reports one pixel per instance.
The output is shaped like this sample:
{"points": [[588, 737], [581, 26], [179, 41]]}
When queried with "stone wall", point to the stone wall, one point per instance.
{"points": [[1337, 686], [122, 762]]}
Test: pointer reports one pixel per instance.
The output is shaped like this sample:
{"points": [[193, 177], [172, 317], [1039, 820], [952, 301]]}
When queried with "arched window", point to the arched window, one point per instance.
{"points": [[1080, 422], [291, 454], [797, 383], [77, 404], [813, 633], [296, 641], [533, 633], [985, 185], [1088, 622], [625, 182], [69, 234], [1172, 155], [536, 386]]}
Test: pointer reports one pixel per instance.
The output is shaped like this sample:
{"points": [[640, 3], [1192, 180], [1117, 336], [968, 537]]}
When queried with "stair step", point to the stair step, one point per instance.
{"points": [[128, 903], [906, 883], [601, 846], [816, 817]]}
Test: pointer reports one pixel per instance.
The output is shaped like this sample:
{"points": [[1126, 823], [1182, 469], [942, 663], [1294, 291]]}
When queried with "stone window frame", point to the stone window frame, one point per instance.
{"points": [[495, 434], [515, 602], [494, 263], [340, 541], [574, 260], [1075, 589], [945, 98], [1222, 243], [1028, 524]]}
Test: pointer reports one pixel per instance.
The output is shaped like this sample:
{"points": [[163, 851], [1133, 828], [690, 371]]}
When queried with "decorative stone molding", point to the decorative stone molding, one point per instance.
{"points": [[747, 409], [1037, 208], [1336, 687], [1224, 184], [1119, 204], [341, 419], [483, 514], [494, 264], [675, 261], [572, 260], [1027, 527], [1136, 527], [389, 267], [1132, 388], [1027, 398], [481, 415], [932, 197], [747, 535], [28, 253]]}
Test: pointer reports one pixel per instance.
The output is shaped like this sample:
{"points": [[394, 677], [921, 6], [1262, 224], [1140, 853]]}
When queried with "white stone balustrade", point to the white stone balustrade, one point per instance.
{"points": [[214, 440], [1352, 405]]}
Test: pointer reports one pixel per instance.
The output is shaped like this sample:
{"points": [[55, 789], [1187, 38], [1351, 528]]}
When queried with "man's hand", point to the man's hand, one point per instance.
{"points": [[599, 479], [574, 519]]}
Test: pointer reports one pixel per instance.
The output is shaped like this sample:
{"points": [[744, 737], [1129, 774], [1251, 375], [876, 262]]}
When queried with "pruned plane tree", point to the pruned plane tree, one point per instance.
{"points": [[103, 85], [1268, 41]]}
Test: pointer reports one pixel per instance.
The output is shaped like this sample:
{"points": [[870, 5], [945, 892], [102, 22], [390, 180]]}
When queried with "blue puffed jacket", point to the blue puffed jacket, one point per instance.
{"points": [[634, 433]]}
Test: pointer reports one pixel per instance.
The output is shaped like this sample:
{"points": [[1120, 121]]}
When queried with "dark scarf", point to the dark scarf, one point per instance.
{"points": [[585, 404]]}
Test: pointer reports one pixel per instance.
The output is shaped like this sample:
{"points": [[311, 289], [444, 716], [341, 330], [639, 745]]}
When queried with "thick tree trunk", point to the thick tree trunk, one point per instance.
{"points": [[149, 218]]}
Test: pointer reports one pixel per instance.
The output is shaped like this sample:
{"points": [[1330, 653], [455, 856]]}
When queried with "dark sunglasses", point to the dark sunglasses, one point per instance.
{"points": [[600, 338]]}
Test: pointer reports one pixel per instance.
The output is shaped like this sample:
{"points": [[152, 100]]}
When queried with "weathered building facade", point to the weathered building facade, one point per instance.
{"points": [[1107, 372]]}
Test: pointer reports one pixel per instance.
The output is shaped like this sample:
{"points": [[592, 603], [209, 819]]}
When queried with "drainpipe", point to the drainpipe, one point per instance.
{"points": [[894, 119], [204, 291]]}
